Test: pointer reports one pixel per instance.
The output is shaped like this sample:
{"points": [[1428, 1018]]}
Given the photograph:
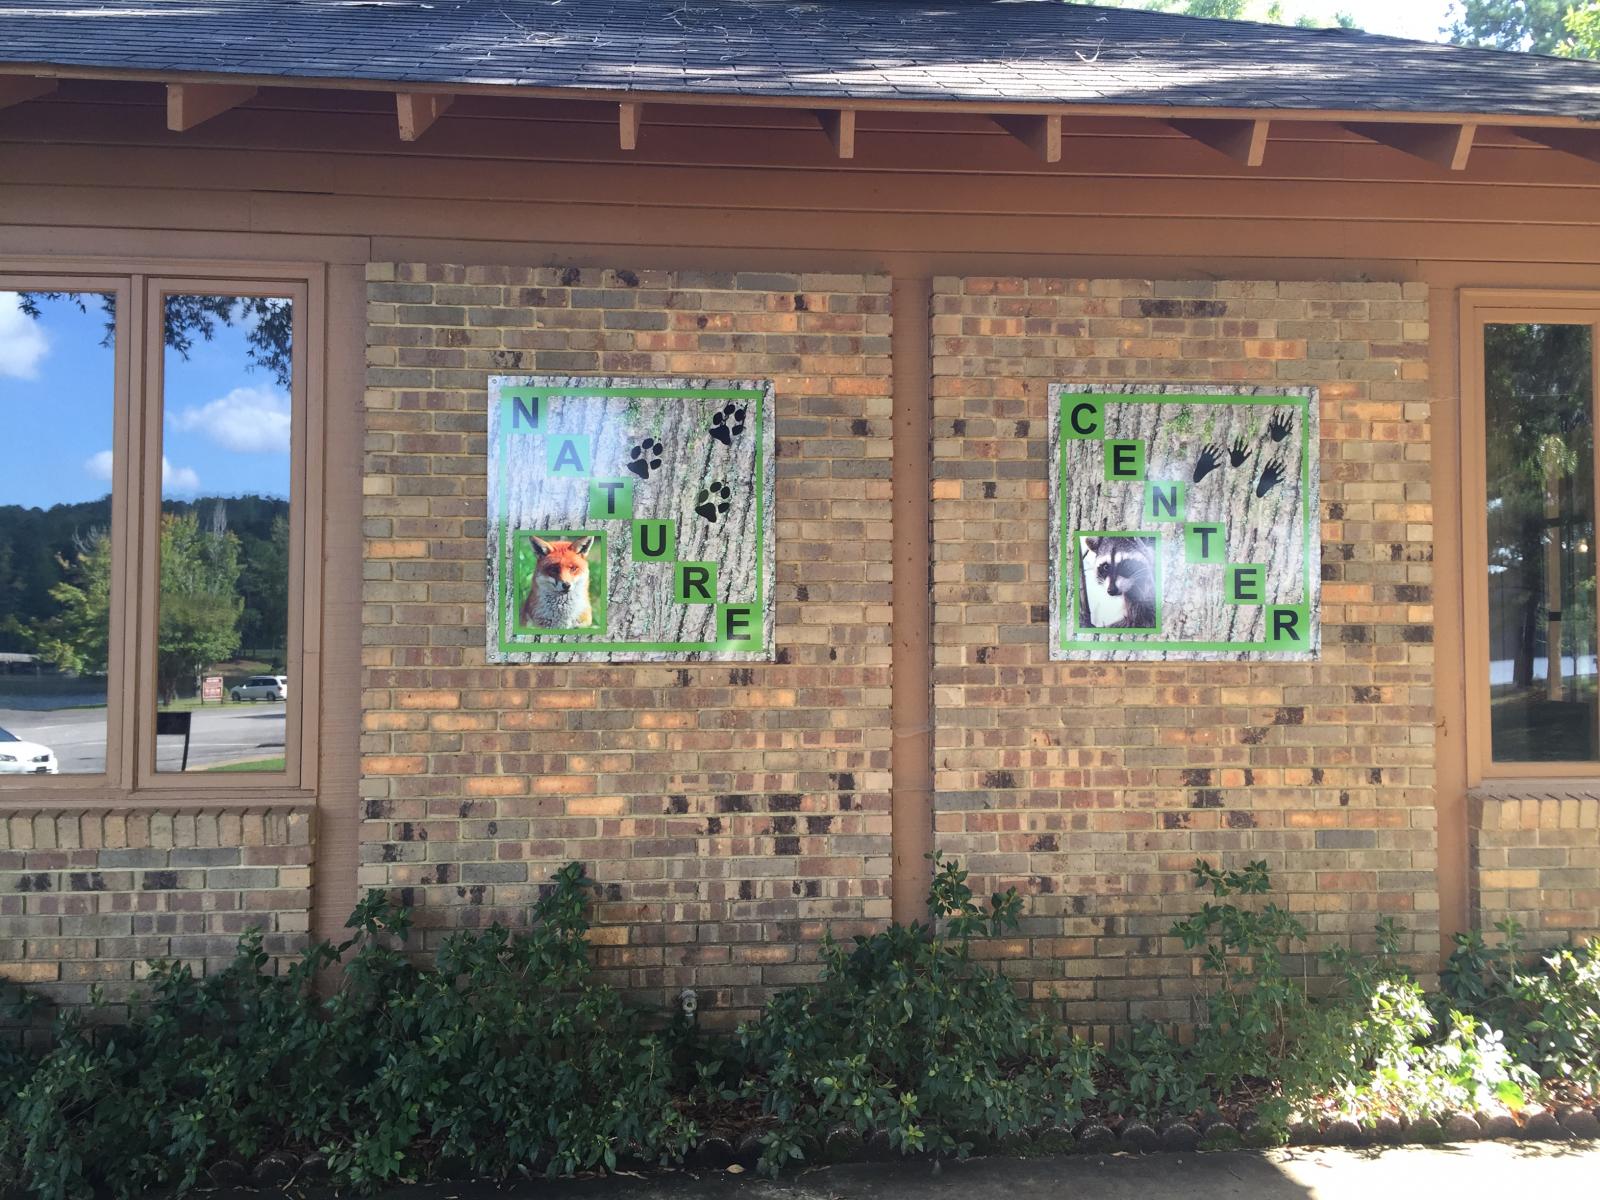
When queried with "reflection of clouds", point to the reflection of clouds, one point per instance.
{"points": [[22, 343], [178, 479], [248, 420], [173, 479]]}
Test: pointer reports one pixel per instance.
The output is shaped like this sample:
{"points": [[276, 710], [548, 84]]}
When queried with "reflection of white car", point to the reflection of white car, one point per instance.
{"points": [[18, 757], [262, 687]]}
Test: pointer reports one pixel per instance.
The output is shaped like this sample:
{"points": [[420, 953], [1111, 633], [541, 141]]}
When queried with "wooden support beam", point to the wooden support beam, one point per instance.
{"points": [[419, 110], [1042, 135], [1580, 143], [1446, 146], [189, 104], [1243, 141], [840, 126], [19, 89], [629, 115]]}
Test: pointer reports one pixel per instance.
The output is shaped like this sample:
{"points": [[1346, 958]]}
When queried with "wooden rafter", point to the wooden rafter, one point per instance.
{"points": [[1580, 143], [840, 126], [1042, 135], [418, 111], [629, 115], [190, 104], [19, 89], [1243, 141], [1447, 146]]}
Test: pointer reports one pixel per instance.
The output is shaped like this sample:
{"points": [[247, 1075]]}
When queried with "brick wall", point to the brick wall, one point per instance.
{"points": [[730, 810], [1536, 859], [88, 898], [1094, 786]]}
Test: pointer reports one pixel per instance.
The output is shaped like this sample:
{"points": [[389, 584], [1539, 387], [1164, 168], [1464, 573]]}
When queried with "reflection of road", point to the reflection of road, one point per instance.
{"points": [[231, 733]]}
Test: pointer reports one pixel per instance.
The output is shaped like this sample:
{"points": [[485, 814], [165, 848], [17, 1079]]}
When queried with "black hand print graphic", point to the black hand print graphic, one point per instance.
{"points": [[1238, 452], [1271, 477], [727, 423], [1210, 459], [712, 502], [645, 457], [1281, 426]]}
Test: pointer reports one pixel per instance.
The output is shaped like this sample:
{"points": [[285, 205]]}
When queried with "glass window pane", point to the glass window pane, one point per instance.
{"points": [[57, 401], [222, 636], [1539, 392]]}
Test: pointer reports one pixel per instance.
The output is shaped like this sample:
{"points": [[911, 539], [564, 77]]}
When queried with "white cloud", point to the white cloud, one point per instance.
{"points": [[22, 343], [248, 420], [173, 479], [99, 465], [178, 479]]}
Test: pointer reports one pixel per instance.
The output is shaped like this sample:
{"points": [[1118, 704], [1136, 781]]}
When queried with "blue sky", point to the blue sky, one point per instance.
{"points": [[225, 428]]}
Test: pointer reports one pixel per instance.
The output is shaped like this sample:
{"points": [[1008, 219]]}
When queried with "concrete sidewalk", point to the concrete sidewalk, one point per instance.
{"points": [[1541, 1170]]}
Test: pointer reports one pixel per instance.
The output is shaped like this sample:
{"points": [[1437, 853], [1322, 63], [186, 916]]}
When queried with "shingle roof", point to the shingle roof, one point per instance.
{"points": [[985, 51]]}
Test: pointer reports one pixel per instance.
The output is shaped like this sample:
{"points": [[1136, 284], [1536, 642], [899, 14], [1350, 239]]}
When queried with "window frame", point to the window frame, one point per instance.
{"points": [[1479, 309], [118, 773], [130, 780]]}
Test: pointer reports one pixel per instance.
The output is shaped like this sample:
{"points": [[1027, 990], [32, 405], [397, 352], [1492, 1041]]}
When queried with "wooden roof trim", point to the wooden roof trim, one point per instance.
{"points": [[1042, 135], [863, 104], [19, 89], [1584, 144], [417, 111], [840, 126], [191, 104], [630, 114], [1244, 141], [1442, 145]]}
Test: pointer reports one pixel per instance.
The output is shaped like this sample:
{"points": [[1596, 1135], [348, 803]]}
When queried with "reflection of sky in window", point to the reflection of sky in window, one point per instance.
{"points": [[226, 424]]}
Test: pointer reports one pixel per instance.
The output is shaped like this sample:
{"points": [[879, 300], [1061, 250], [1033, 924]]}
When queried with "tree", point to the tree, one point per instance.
{"points": [[1533, 25], [200, 604], [268, 339], [1583, 32], [77, 636]]}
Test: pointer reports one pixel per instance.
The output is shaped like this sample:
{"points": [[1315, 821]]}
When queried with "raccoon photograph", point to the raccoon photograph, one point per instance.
{"points": [[1118, 587]]}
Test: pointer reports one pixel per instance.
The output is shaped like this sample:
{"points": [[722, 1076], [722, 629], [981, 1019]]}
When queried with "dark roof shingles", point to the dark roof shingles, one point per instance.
{"points": [[1033, 51]]}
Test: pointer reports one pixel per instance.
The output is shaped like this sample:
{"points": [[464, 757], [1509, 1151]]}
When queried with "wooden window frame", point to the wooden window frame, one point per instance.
{"points": [[1481, 308], [130, 780]]}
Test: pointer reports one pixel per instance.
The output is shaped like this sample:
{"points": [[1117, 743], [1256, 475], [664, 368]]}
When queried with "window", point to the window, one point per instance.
{"points": [[1532, 623], [158, 617]]}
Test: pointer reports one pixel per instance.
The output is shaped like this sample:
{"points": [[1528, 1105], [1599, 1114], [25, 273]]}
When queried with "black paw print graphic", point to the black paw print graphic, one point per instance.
{"points": [[1210, 459], [645, 457], [712, 502], [727, 423], [1281, 426], [1238, 452], [1271, 477]]}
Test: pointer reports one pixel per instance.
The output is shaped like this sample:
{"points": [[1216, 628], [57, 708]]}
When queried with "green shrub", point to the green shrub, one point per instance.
{"points": [[1158, 1077], [907, 1036], [1549, 1012], [505, 1059]]}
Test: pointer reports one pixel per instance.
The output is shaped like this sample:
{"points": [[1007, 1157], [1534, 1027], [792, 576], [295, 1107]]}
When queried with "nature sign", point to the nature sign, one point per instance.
{"points": [[629, 519], [1183, 523]]}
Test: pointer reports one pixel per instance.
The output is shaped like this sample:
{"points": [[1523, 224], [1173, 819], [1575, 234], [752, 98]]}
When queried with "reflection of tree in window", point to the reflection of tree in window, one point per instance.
{"points": [[1540, 460], [268, 322]]}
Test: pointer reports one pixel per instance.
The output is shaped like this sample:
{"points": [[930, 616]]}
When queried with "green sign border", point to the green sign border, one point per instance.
{"points": [[503, 549], [1068, 598]]}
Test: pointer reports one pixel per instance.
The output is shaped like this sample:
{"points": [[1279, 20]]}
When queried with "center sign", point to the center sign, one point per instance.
{"points": [[1183, 523], [630, 520]]}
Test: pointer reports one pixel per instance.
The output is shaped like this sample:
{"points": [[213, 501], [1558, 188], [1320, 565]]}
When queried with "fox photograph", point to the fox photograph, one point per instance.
{"points": [[560, 580], [630, 519]]}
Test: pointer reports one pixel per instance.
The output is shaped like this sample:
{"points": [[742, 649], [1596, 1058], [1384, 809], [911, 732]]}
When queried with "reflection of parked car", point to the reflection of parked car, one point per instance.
{"points": [[261, 687], [18, 757]]}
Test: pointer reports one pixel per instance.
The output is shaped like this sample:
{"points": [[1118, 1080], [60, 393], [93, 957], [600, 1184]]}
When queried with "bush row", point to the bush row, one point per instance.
{"points": [[508, 1058]]}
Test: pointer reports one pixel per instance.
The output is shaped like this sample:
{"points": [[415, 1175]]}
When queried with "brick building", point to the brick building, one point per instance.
{"points": [[916, 224]]}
